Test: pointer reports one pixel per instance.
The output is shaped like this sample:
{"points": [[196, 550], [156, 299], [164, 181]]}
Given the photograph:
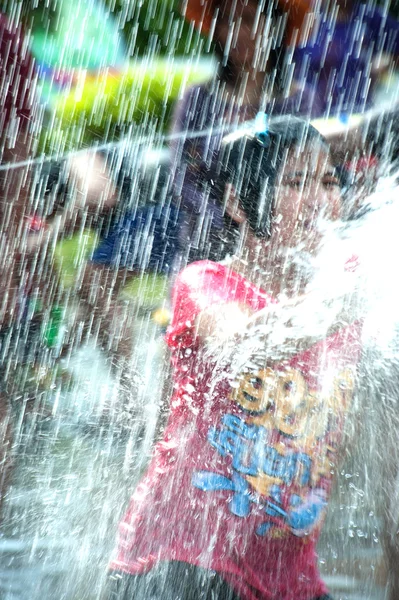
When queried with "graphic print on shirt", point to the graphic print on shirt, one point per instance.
{"points": [[282, 448]]}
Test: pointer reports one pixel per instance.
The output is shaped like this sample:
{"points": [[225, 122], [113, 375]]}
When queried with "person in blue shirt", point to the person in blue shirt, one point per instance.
{"points": [[344, 52]]}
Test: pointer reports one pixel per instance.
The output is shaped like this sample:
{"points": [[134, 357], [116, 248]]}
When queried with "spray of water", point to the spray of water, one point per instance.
{"points": [[85, 415]]}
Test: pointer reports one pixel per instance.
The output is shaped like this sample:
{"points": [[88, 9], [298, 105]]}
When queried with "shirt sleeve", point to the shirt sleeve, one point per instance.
{"points": [[197, 287]]}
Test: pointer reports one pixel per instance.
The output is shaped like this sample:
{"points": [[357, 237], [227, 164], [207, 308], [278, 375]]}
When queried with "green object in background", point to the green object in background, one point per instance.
{"points": [[103, 106], [71, 254], [53, 326], [85, 36], [141, 89], [85, 50], [149, 290], [50, 328]]}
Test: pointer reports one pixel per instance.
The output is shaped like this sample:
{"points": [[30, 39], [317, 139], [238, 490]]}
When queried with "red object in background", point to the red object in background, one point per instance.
{"points": [[352, 264], [362, 164], [201, 13], [36, 223]]}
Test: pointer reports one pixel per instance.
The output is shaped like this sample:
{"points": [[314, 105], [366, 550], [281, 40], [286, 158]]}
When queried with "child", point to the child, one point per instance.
{"points": [[233, 500]]}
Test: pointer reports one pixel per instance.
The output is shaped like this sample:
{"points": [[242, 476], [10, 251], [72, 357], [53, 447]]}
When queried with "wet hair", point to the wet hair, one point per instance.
{"points": [[252, 163]]}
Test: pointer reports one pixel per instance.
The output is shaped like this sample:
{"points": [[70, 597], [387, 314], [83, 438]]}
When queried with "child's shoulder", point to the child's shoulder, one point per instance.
{"points": [[201, 269], [216, 279], [212, 277]]}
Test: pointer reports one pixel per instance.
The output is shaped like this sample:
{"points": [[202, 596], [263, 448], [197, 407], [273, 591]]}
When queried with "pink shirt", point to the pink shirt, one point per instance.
{"points": [[240, 481]]}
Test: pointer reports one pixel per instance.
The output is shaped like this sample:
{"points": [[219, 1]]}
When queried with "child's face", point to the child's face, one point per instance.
{"points": [[309, 193]]}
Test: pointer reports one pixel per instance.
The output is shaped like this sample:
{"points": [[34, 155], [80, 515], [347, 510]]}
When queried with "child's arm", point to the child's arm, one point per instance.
{"points": [[234, 335], [224, 327], [206, 313], [223, 323]]}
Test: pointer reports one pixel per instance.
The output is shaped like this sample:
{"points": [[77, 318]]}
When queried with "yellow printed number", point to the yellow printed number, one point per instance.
{"points": [[255, 391]]}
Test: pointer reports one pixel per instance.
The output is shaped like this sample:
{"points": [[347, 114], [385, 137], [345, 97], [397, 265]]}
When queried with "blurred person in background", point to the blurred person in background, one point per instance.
{"points": [[30, 195], [18, 103], [344, 49]]}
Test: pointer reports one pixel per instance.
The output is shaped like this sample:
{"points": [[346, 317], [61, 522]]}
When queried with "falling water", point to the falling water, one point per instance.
{"points": [[85, 418]]}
